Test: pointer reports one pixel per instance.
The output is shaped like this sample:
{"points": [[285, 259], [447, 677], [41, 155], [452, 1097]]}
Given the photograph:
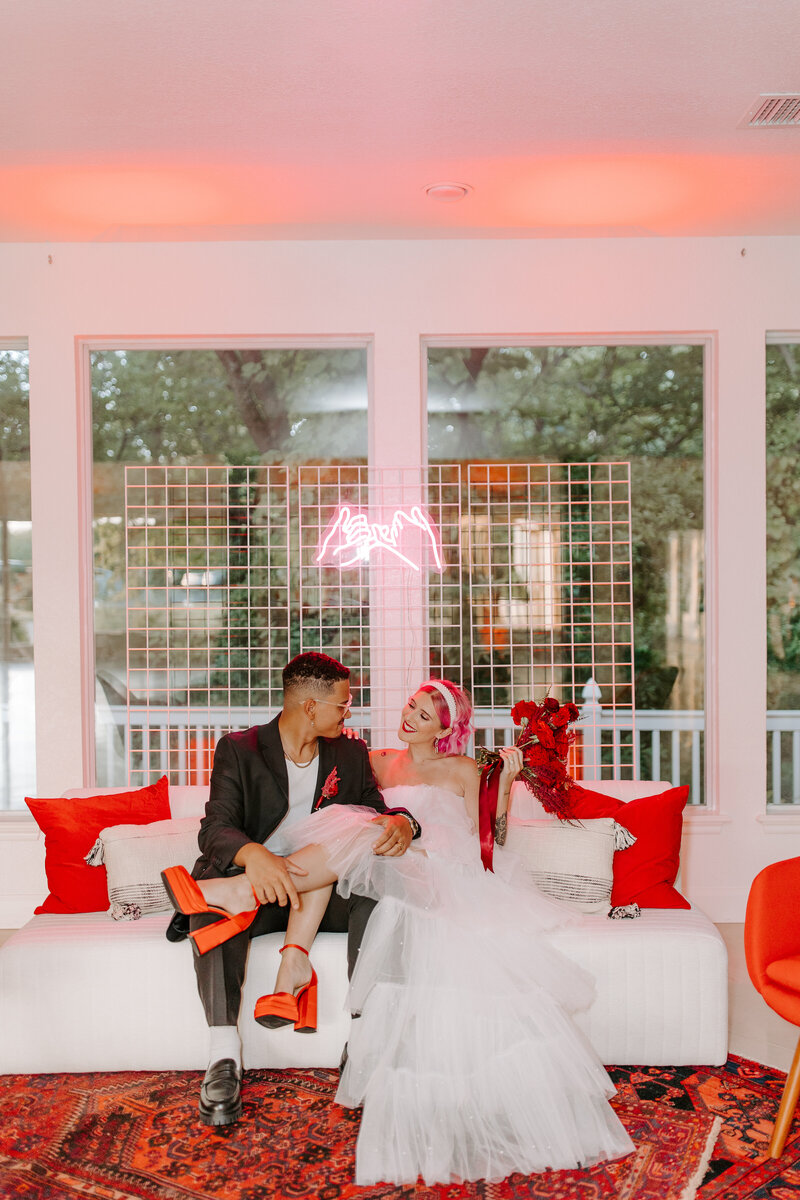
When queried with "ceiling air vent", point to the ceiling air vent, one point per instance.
{"points": [[769, 112]]}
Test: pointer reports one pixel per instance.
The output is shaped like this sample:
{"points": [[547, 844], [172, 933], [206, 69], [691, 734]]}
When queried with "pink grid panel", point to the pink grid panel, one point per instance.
{"points": [[551, 597], [385, 596], [526, 591], [207, 569]]}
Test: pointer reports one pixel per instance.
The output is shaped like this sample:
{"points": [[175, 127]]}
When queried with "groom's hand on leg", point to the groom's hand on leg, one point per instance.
{"points": [[396, 836], [270, 875]]}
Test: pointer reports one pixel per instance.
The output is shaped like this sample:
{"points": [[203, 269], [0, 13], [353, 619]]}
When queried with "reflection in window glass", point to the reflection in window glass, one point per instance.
{"points": [[783, 574], [17, 734], [593, 404], [202, 409]]}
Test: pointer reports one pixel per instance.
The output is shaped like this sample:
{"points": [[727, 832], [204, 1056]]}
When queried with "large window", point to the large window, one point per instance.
{"points": [[191, 450], [641, 405], [17, 731], [783, 573], [554, 540]]}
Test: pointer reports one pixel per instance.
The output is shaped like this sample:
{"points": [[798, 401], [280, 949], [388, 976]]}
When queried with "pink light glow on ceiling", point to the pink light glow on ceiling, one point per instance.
{"points": [[630, 190], [543, 196], [200, 120], [137, 196]]}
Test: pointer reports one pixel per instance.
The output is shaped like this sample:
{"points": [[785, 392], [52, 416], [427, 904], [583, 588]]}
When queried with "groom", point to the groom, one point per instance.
{"points": [[260, 786]]}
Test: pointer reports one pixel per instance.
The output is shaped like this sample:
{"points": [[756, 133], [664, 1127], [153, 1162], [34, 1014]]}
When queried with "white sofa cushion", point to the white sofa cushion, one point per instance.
{"points": [[571, 862], [134, 857], [126, 998]]}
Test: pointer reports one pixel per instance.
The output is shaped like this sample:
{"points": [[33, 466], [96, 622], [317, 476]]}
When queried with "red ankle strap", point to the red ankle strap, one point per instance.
{"points": [[292, 946]]}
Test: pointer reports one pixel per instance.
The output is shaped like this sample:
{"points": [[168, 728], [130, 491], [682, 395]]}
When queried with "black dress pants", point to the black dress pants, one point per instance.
{"points": [[220, 972]]}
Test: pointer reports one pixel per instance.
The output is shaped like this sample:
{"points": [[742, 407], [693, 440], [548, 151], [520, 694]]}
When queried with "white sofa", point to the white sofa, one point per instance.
{"points": [[87, 993]]}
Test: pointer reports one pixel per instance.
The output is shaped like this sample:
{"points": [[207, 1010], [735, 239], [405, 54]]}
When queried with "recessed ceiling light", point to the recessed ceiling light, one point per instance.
{"points": [[448, 191]]}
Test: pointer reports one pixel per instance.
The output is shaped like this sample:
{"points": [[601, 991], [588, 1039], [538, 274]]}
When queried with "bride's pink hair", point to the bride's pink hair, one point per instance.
{"points": [[456, 740]]}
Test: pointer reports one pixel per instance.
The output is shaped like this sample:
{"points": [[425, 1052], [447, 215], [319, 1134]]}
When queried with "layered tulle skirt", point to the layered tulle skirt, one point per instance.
{"points": [[464, 1057]]}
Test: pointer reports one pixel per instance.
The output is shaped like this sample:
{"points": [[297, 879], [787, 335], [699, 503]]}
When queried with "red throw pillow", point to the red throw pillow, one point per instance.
{"points": [[70, 828], [646, 871]]}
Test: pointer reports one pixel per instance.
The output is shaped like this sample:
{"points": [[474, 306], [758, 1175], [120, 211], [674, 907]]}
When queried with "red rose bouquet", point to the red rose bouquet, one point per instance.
{"points": [[544, 738]]}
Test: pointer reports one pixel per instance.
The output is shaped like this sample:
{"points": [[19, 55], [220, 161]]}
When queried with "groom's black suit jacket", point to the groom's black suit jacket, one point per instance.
{"points": [[249, 793]]}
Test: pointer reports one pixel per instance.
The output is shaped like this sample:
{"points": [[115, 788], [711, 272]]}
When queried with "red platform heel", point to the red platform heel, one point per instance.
{"points": [[284, 1008], [187, 898]]}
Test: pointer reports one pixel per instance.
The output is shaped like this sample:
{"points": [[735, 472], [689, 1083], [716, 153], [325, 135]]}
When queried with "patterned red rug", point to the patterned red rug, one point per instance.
{"points": [[136, 1137]]}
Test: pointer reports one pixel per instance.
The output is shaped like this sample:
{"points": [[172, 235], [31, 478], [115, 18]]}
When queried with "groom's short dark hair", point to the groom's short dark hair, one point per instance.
{"points": [[313, 667]]}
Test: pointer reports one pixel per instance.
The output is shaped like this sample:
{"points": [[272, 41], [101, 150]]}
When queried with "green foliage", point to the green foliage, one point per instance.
{"points": [[642, 404], [217, 407], [226, 406], [570, 404], [554, 404], [783, 520], [14, 421]]}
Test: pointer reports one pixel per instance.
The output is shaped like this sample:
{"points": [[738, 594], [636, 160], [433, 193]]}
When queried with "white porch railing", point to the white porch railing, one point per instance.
{"points": [[177, 742], [668, 742], [783, 757]]}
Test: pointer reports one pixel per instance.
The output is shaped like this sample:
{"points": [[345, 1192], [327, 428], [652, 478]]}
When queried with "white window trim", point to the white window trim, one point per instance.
{"points": [[85, 346], [708, 339]]}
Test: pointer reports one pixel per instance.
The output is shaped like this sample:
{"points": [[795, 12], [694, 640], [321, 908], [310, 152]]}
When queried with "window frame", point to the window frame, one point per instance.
{"points": [[708, 816], [776, 817], [85, 347]]}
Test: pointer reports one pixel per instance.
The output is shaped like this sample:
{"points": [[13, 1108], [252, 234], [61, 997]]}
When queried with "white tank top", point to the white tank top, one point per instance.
{"points": [[302, 783]]}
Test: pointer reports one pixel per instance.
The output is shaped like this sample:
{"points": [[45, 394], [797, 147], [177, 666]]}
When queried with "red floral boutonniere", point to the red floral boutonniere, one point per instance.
{"points": [[330, 787]]}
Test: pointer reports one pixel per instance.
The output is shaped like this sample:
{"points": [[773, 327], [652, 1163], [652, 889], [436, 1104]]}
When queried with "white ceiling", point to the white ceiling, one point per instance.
{"points": [[129, 120]]}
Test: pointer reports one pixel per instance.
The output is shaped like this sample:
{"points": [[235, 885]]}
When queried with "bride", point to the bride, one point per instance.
{"points": [[464, 1057]]}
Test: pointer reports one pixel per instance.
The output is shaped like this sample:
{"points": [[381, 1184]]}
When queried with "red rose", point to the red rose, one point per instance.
{"points": [[560, 719], [551, 704], [536, 756], [524, 710], [574, 712], [562, 745], [545, 735]]}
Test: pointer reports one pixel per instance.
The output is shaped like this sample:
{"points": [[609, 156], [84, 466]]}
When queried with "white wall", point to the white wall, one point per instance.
{"points": [[397, 293]]}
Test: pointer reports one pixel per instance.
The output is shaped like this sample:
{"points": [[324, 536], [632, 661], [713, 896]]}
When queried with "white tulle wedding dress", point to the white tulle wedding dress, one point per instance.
{"points": [[464, 1057]]}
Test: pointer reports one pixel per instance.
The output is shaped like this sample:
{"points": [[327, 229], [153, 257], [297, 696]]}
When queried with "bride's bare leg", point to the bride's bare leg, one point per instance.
{"points": [[235, 895], [295, 968], [231, 892]]}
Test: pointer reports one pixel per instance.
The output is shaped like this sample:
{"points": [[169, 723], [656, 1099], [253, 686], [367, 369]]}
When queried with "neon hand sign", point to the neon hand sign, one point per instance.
{"points": [[351, 538]]}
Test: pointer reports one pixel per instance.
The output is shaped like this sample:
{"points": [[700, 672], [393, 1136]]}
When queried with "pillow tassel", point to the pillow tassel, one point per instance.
{"points": [[96, 855], [624, 912], [623, 838]]}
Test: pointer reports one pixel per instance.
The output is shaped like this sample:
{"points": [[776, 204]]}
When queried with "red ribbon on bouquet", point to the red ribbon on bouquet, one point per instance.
{"points": [[487, 810]]}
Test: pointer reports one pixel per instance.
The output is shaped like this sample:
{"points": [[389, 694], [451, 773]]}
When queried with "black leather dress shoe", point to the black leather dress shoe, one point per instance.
{"points": [[343, 1059], [178, 928], [221, 1093]]}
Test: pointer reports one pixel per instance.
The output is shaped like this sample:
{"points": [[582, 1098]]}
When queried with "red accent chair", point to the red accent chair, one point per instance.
{"points": [[772, 950]]}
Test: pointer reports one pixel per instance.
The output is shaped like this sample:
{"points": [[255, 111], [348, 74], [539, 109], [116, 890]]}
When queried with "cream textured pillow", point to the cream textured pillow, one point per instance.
{"points": [[570, 862], [134, 857]]}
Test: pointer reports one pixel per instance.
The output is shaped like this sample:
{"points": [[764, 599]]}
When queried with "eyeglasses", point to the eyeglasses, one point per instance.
{"points": [[341, 707]]}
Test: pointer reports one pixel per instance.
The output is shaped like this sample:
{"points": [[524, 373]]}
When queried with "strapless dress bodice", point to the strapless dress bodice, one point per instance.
{"points": [[446, 825]]}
